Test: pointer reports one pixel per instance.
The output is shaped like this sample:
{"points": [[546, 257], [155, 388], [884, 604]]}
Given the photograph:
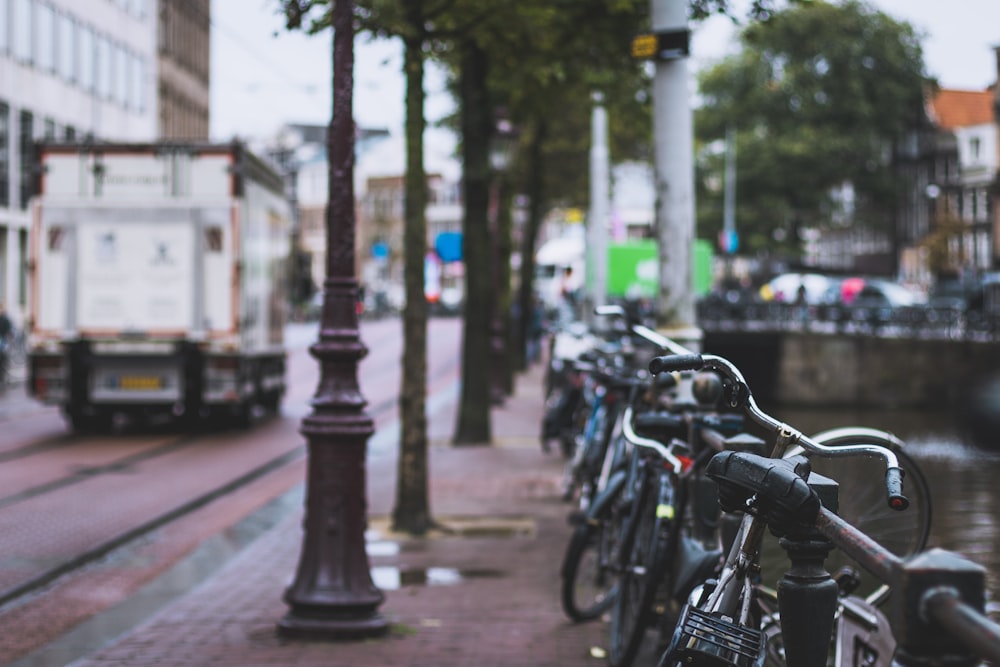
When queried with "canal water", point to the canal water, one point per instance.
{"points": [[964, 478]]}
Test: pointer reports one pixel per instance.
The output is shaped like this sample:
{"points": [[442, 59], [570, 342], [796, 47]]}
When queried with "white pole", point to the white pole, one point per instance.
{"points": [[729, 201], [597, 224], [672, 136]]}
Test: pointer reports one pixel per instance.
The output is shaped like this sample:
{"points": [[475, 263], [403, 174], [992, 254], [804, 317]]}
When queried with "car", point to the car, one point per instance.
{"points": [[878, 293], [785, 287]]}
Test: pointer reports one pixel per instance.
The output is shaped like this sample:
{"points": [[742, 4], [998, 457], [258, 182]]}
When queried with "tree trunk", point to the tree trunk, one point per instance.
{"points": [[536, 194], [505, 300], [477, 120], [411, 513]]}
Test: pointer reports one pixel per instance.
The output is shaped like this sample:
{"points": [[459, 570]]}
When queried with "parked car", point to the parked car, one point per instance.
{"points": [[877, 293], [786, 286]]}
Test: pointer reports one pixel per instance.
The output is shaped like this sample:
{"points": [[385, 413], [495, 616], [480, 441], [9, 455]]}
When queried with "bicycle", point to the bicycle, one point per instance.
{"points": [[600, 468], [590, 569], [601, 379], [669, 540], [729, 606]]}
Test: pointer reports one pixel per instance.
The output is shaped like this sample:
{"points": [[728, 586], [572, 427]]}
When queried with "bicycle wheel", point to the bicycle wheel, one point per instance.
{"points": [[862, 501], [589, 583], [646, 553]]}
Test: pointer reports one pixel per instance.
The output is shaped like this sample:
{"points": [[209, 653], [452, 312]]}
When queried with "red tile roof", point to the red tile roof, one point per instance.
{"points": [[961, 108]]}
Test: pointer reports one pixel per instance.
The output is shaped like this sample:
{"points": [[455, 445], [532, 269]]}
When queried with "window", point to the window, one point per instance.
{"points": [[137, 81], [4, 26], [49, 131], [120, 71], [69, 133], [87, 54], [66, 47], [974, 149], [103, 67], [26, 128], [45, 31], [4, 155], [23, 20]]}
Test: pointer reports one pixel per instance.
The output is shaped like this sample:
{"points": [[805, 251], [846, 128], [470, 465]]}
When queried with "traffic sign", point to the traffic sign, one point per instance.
{"points": [[666, 45], [729, 241], [644, 46]]}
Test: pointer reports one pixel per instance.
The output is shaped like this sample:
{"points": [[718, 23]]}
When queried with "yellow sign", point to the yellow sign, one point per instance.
{"points": [[644, 46]]}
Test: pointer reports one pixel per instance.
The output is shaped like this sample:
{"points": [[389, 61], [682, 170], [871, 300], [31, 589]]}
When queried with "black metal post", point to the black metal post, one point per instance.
{"points": [[333, 595], [807, 599]]}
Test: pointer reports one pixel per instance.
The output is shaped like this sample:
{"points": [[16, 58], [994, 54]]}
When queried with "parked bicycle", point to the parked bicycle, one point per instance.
{"points": [[735, 605], [597, 474]]}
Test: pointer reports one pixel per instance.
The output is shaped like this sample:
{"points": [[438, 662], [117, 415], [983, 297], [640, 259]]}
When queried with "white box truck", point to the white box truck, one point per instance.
{"points": [[158, 278]]}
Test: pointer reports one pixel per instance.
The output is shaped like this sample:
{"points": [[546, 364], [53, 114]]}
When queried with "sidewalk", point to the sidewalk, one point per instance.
{"points": [[487, 596]]}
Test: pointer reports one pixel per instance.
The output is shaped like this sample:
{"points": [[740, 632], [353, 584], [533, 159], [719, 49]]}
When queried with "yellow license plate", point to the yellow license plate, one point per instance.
{"points": [[140, 383]]}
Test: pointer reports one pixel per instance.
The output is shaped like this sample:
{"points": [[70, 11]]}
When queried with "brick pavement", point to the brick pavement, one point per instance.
{"points": [[488, 597]]}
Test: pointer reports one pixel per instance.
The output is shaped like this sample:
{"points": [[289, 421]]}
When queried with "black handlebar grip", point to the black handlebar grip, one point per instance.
{"points": [[894, 487], [675, 362]]}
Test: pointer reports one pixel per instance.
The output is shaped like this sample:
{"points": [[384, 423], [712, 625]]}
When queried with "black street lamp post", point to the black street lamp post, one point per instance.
{"points": [[333, 595]]}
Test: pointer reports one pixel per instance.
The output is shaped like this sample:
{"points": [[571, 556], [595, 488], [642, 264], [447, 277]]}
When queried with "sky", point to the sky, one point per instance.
{"points": [[263, 76]]}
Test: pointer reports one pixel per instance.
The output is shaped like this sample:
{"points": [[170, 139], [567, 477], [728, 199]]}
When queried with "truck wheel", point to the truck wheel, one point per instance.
{"points": [[243, 415], [272, 402]]}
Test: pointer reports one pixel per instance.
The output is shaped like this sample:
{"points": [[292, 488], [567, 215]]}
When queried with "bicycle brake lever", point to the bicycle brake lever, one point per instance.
{"points": [[894, 488]]}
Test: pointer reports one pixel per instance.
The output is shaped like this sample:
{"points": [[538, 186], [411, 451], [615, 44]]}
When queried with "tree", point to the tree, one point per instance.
{"points": [[814, 112]]}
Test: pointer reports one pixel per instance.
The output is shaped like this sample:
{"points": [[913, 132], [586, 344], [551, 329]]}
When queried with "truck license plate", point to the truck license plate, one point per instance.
{"points": [[140, 383]]}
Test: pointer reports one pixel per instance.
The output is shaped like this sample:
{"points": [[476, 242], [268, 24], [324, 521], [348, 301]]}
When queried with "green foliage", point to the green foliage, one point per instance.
{"points": [[820, 95]]}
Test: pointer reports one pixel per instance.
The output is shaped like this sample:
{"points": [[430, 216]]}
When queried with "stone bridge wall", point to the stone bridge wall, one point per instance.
{"points": [[822, 370]]}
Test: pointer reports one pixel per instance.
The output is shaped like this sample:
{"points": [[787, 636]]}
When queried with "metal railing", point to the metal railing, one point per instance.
{"points": [[922, 322]]}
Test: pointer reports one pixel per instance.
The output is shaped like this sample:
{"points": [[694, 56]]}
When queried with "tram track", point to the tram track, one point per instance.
{"points": [[87, 472], [57, 568], [85, 558]]}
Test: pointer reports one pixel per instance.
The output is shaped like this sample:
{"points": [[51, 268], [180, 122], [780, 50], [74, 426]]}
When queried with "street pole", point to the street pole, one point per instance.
{"points": [[729, 201], [674, 162], [332, 595], [597, 227]]}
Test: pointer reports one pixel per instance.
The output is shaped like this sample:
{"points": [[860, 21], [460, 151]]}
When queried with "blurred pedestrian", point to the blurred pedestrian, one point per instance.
{"points": [[568, 297], [6, 332], [6, 326], [536, 328]]}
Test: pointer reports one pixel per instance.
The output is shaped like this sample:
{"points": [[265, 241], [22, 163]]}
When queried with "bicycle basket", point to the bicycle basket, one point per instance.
{"points": [[703, 639]]}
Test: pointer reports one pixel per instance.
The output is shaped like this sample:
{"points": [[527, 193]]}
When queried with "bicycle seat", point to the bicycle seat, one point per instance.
{"points": [[661, 426], [695, 565]]}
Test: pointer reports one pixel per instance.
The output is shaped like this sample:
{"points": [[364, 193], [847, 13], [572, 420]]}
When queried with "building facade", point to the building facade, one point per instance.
{"points": [[183, 69], [117, 70], [947, 221]]}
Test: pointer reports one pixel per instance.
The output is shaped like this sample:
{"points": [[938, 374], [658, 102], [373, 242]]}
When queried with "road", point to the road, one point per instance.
{"points": [[88, 520]]}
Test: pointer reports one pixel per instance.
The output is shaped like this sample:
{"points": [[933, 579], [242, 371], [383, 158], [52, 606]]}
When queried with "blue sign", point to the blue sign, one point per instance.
{"points": [[449, 246], [380, 250], [729, 241]]}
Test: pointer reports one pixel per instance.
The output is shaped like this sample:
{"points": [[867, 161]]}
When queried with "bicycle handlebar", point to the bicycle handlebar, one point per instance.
{"points": [[740, 396], [634, 438]]}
